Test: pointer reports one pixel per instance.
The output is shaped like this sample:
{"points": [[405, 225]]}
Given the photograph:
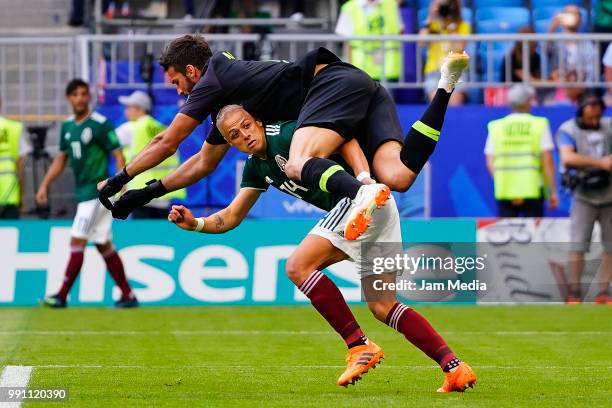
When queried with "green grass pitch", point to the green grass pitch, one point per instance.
{"points": [[288, 356]]}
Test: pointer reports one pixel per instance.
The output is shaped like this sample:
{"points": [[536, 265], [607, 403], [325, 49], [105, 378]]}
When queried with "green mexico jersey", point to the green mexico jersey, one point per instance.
{"points": [[260, 173], [87, 145]]}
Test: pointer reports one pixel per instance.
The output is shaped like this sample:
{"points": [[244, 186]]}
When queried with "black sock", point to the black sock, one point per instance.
{"points": [[423, 135], [434, 115], [359, 342], [327, 175]]}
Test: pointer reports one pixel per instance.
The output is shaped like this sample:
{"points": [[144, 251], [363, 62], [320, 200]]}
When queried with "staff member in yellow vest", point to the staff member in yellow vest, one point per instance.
{"points": [[134, 135], [13, 150], [373, 17], [519, 156]]}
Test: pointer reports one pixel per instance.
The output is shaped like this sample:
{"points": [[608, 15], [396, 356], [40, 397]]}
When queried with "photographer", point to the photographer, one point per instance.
{"points": [[444, 18], [585, 145]]}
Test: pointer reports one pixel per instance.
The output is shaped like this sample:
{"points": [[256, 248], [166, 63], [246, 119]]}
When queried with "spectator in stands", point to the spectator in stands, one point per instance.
{"points": [[573, 61], [603, 17], [519, 157], [373, 17], [77, 11], [14, 148], [251, 51], [515, 63], [133, 136], [189, 8], [585, 145], [444, 18], [607, 62], [602, 23]]}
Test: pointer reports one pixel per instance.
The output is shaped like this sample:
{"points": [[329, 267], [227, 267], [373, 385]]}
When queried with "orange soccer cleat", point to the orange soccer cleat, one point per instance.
{"points": [[369, 198], [459, 379], [359, 361], [572, 300]]}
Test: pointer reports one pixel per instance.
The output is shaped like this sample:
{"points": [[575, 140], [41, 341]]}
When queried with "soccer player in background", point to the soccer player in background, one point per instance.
{"points": [[86, 139], [332, 101], [325, 245]]}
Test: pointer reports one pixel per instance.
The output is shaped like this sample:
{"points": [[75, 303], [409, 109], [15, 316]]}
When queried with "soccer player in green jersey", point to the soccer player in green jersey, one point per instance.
{"points": [[86, 139], [325, 245]]}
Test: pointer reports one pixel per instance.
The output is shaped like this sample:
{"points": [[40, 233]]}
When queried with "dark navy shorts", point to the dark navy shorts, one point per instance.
{"points": [[346, 100]]}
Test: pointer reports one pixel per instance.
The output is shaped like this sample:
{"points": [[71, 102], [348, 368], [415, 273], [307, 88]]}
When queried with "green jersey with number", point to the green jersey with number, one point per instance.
{"points": [[87, 144], [260, 173]]}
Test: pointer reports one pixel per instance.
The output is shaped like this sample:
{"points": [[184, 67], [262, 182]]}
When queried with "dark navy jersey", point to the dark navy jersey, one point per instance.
{"points": [[269, 90]]}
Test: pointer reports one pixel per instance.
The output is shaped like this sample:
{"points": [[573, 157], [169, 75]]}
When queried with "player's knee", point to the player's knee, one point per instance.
{"points": [[293, 169], [380, 310], [395, 181], [104, 248], [295, 270]]}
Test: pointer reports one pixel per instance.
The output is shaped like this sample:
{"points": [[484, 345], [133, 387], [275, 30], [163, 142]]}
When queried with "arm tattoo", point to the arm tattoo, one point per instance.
{"points": [[219, 222]]}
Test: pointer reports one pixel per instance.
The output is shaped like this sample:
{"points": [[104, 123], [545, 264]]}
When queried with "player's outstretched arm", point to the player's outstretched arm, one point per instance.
{"points": [[353, 155], [219, 222], [56, 168], [159, 148], [196, 167]]}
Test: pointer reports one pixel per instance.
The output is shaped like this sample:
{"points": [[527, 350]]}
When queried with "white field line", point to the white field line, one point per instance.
{"points": [[15, 376], [280, 332], [289, 367]]}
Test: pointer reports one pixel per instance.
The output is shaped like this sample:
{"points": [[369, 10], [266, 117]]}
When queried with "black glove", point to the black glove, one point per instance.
{"points": [[113, 186], [133, 199]]}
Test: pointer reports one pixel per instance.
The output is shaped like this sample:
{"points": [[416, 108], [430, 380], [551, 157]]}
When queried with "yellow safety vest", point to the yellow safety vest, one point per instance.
{"points": [[144, 129], [10, 188], [368, 55], [517, 156]]}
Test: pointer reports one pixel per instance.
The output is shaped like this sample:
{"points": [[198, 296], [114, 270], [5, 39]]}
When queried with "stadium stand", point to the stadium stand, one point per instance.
{"points": [[501, 19], [478, 4], [542, 18]]}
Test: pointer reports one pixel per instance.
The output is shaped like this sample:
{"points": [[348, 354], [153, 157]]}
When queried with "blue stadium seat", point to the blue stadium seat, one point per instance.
{"points": [[478, 4], [555, 3], [542, 17], [498, 20], [501, 19], [466, 14]]}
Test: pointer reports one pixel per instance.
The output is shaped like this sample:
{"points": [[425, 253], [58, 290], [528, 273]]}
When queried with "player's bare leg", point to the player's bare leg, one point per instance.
{"points": [[308, 164], [388, 167], [303, 268], [458, 375]]}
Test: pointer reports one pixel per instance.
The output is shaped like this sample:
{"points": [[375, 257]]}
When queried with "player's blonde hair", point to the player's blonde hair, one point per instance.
{"points": [[226, 110]]}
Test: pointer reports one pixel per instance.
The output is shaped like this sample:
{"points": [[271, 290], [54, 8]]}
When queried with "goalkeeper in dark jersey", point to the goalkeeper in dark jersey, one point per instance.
{"points": [[332, 101], [325, 245]]}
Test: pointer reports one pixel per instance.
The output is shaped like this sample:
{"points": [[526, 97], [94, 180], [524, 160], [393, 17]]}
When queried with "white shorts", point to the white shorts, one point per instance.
{"points": [[92, 222], [385, 227]]}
